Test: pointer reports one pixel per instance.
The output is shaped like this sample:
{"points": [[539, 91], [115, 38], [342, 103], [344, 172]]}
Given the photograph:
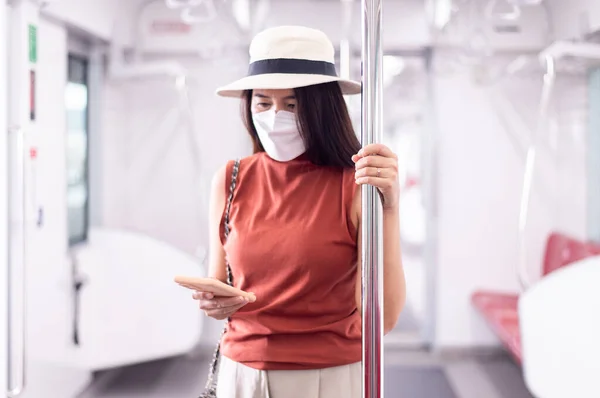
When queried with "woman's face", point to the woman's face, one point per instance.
{"points": [[279, 100]]}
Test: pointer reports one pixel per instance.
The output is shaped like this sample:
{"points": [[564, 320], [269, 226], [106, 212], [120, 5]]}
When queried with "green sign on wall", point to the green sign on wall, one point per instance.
{"points": [[32, 44]]}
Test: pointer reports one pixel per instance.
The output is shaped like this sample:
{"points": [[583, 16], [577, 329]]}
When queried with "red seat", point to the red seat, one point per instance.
{"points": [[500, 312], [562, 250], [500, 309]]}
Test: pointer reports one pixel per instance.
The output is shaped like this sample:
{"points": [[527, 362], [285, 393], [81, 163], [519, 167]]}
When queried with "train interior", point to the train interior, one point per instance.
{"points": [[114, 133]]}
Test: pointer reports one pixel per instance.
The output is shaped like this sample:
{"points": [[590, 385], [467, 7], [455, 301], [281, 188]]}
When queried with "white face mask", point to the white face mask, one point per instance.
{"points": [[279, 135]]}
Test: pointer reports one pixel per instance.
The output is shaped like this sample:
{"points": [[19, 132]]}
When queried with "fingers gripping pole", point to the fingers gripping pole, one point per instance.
{"points": [[372, 264]]}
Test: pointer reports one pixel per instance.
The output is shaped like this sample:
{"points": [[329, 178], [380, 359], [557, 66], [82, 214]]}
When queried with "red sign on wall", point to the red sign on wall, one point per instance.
{"points": [[167, 26]]}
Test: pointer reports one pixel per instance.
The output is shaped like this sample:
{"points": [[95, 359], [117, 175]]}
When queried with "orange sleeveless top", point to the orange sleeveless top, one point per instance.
{"points": [[292, 242]]}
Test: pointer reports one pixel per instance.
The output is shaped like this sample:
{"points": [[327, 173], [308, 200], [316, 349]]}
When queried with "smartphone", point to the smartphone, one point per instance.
{"points": [[214, 286]]}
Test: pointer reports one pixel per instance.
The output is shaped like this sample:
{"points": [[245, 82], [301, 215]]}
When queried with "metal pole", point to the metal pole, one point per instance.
{"points": [[372, 265], [530, 168], [345, 56], [345, 59]]}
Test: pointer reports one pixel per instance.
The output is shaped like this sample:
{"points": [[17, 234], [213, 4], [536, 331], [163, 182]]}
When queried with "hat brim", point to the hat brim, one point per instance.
{"points": [[285, 81]]}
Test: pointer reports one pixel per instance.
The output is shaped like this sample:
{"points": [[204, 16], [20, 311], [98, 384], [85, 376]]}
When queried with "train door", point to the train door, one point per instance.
{"points": [[42, 356], [406, 131]]}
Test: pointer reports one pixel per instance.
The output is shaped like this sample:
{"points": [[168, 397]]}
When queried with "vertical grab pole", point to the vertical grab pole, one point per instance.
{"points": [[345, 55], [372, 264]]}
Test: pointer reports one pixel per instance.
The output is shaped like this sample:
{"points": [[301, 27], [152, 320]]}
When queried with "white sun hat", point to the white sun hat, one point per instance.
{"points": [[289, 57]]}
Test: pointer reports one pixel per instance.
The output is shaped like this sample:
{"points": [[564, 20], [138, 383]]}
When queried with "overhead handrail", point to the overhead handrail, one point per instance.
{"points": [[187, 8], [549, 79], [189, 17], [525, 2], [175, 4], [492, 13]]}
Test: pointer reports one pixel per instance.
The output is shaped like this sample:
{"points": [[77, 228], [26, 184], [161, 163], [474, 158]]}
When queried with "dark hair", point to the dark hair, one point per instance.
{"points": [[323, 121]]}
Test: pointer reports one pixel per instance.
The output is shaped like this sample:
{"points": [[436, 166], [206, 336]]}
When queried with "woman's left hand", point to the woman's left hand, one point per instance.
{"points": [[377, 165]]}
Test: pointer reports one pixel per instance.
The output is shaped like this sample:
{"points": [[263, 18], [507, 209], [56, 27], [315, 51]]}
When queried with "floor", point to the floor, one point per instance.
{"points": [[408, 374]]}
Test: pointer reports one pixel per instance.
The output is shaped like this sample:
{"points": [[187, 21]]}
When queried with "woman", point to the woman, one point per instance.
{"points": [[293, 223]]}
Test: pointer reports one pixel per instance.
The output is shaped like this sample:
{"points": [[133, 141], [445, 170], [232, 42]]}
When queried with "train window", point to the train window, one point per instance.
{"points": [[76, 101]]}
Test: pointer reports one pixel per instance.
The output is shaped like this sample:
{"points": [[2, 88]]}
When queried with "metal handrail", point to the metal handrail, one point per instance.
{"points": [[549, 79], [189, 17], [16, 390], [372, 266], [175, 4], [513, 15]]}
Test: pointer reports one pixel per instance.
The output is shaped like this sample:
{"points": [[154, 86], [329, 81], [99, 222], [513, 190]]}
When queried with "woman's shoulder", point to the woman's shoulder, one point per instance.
{"points": [[246, 161], [223, 174], [252, 159]]}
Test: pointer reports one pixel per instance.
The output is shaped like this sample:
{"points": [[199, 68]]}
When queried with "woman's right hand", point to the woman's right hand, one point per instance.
{"points": [[219, 307]]}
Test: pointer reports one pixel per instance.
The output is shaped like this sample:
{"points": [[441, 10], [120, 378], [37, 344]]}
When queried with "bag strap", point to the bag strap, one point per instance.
{"points": [[234, 175], [211, 384]]}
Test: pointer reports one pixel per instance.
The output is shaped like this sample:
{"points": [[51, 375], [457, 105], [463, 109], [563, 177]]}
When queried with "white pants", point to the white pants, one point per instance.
{"points": [[240, 381]]}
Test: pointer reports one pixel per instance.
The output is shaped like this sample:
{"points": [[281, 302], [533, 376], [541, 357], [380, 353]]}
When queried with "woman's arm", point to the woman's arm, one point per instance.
{"points": [[217, 307], [377, 165], [216, 254], [394, 285]]}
